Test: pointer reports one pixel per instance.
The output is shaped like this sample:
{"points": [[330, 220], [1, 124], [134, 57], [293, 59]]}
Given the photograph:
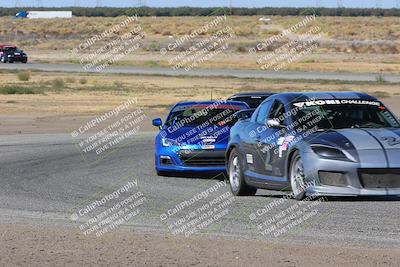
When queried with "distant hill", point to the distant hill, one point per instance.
{"points": [[194, 11]]}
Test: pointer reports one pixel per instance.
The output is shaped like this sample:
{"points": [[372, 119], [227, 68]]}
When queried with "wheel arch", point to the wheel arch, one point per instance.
{"points": [[289, 160], [228, 153]]}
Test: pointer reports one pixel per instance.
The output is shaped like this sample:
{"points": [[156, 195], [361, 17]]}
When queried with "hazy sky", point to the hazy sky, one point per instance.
{"points": [[203, 3]]}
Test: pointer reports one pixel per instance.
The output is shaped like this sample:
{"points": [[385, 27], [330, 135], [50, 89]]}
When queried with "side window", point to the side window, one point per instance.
{"points": [[277, 112], [263, 111]]}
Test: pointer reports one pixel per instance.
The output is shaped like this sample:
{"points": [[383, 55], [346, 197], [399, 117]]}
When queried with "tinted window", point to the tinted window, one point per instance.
{"points": [[252, 101], [338, 116], [277, 111], [199, 114], [263, 111]]}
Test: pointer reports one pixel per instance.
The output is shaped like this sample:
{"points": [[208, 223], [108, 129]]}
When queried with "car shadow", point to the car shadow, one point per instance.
{"points": [[341, 199], [363, 198], [220, 176]]}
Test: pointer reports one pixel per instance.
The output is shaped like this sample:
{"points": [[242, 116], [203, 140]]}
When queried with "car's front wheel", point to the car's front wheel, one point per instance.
{"points": [[236, 177], [297, 177]]}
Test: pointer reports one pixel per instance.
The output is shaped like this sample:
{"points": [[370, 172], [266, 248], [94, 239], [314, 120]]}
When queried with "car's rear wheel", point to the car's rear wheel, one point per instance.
{"points": [[236, 177], [297, 177]]}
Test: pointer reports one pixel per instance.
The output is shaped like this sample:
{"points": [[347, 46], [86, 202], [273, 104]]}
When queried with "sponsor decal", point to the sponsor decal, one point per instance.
{"points": [[283, 143], [336, 102], [208, 139], [249, 158], [392, 141]]}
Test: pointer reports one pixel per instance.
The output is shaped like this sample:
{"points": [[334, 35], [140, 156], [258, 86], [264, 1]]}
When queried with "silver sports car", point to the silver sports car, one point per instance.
{"points": [[331, 144]]}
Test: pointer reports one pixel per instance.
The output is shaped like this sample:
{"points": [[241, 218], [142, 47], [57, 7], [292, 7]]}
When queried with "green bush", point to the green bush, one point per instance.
{"points": [[380, 79], [70, 80], [18, 90], [58, 83], [24, 76], [83, 81]]}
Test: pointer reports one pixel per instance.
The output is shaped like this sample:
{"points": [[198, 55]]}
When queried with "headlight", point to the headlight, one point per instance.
{"points": [[166, 142], [328, 152]]}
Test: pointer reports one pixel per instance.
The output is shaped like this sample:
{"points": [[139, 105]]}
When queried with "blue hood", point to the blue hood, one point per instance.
{"points": [[193, 135]]}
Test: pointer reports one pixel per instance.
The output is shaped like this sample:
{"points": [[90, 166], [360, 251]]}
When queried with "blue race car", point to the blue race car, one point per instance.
{"points": [[195, 136], [330, 144]]}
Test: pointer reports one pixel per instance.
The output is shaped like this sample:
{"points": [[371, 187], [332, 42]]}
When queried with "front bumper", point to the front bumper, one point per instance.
{"points": [[353, 184], [18, 58], [190, 159]]}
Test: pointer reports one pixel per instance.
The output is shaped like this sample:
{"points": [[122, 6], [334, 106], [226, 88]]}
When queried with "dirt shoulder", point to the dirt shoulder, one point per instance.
{"points": [[24, 245]]}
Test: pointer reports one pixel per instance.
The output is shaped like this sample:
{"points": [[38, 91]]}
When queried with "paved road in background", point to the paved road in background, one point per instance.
{"points": [[289, 75], [44, 180]]}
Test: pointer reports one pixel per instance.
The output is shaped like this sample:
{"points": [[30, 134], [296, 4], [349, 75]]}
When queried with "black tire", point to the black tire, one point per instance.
{"points": [[236, 177], [25, 61], [297, 177]]}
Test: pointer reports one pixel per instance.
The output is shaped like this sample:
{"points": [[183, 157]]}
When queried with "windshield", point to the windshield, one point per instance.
{"points": [[340, 116], [10, 49], [252, 101], [202, 115]]}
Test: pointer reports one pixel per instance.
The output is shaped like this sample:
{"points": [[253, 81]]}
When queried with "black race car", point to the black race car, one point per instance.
{"points": [[11, 54], [253, 99]]}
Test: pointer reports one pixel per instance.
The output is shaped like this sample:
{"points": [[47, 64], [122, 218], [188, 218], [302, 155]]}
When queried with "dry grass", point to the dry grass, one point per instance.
{"points": [[102, 93], [357, 44]]}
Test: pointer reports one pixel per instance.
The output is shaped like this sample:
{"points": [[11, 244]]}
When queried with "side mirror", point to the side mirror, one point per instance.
{"points": [[274, 123], [157, 122], [244, 114]]}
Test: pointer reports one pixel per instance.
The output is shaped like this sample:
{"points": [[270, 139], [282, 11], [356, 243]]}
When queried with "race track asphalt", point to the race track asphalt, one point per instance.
{"points": [[45, 180], [287, 75]]}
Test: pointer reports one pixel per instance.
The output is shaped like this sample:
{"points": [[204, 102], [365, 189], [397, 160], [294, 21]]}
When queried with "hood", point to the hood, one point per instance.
{"points": [[371, 147], [193, 135]]}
